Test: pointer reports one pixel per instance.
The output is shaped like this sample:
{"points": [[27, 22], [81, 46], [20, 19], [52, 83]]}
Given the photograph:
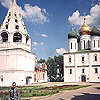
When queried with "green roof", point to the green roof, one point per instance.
{"points": [[72, 34], [95, 31]]}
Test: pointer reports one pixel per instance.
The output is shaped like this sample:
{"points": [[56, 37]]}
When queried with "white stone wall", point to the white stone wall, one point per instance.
{"points": [[11, 76], [16, 65], [77, 65]]}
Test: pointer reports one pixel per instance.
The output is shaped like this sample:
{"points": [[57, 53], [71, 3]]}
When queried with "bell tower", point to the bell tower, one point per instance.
{"points": [[13, 32], [17, 62]]}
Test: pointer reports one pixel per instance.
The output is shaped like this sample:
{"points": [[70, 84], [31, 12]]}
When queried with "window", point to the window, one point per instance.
{"points": [[43, 76], [95, 58], [75, 45], [17, 37], [69, 59], [84, 44], [82, 70], [27, 38], [8, 20], [16, 20], [89, 46], [98, 43], [71, 45], [70, 71], [1, 78], [7, 26], [15, 15], [9, 13], [96, 70], [83, 59], [17, 27], [94, 43], [4, 36]]}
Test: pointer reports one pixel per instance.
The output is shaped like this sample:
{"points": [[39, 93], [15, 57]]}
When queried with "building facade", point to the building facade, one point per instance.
{"points": [[82, 61], [40, 73], [17, 62]]}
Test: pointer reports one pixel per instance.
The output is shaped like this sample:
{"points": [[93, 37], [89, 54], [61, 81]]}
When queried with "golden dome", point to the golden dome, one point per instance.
{"points": [[85, 29]]}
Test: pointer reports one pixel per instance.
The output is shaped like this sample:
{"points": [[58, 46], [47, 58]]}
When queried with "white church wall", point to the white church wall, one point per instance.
{"points": [[96, 45]]}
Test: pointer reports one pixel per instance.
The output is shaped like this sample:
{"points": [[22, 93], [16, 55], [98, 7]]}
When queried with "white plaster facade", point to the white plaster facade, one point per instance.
{"points": [[83, 64], [17, 62]]}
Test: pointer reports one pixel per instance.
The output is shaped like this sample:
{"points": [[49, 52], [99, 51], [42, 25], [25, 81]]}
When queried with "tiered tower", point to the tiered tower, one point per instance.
{"points": [[17, 63]]}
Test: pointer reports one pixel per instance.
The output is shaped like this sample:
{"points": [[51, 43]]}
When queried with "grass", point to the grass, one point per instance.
{"points": [[31, 91]]}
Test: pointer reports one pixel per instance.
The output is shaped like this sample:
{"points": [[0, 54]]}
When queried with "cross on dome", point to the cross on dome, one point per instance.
{"points": [[84, 20]]}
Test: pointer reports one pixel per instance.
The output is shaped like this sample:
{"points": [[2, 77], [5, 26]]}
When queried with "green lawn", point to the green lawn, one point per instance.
{"points": [[31, 91]]}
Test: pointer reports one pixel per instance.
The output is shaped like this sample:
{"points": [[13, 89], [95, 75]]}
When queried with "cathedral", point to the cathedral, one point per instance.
{"points": [[17, 62], [82, 61]]}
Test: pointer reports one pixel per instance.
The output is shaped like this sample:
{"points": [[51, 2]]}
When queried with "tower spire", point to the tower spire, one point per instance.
{"points": [[13, 1]]}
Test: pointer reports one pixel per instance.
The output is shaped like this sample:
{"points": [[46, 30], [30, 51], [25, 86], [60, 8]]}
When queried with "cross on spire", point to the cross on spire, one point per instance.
{"points": [[84, 20]]}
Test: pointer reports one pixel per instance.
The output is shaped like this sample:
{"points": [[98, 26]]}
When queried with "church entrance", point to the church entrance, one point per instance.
{"points": [[28, 80], [83, 78]]}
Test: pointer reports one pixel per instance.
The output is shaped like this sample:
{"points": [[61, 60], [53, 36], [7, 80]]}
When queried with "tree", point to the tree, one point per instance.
{"points": [[55, 68], [41, 61]]}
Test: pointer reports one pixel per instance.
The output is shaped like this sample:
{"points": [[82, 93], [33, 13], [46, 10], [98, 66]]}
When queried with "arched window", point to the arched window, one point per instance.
{"points": [[84, 44], [70, 59], [27, 38], [71, 45], [75, 45], [95, 57], [16, 21], [6, 26], [16, 27], [96, 70], [82, 59], [4, 36], [98, 43], [89, 46], [17, 37], [94, 43]]}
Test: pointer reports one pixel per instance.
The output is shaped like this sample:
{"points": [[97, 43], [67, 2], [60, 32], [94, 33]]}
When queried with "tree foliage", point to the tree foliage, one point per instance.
{"points": [[55, 68]]}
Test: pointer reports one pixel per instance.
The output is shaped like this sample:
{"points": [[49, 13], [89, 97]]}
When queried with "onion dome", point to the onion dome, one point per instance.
{"points": [[72, 34], [95, 31], [85, 29]]}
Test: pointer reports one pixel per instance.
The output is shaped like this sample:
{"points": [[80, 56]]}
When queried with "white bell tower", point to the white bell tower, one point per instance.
{"points": [[13, 33], [17, 62]]}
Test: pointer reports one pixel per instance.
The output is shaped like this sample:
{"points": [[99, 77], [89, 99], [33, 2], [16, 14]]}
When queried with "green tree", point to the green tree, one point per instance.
{"points": [[55, 68], [41, 61]]}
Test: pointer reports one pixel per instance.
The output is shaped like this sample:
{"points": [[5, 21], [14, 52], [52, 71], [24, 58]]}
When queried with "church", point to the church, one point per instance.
{"points": [[82, 61], [17, 62]]}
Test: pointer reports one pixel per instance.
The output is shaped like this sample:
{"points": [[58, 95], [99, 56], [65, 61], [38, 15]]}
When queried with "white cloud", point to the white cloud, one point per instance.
{"points": [[6, 3], [60, 51], [37, 43], [31, 13], [92, 18], [35, 14], [44, 35], [41, 43]]}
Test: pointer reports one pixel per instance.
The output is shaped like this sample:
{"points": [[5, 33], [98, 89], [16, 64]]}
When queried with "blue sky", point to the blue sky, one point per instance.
{"points": [[49, 30]]}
